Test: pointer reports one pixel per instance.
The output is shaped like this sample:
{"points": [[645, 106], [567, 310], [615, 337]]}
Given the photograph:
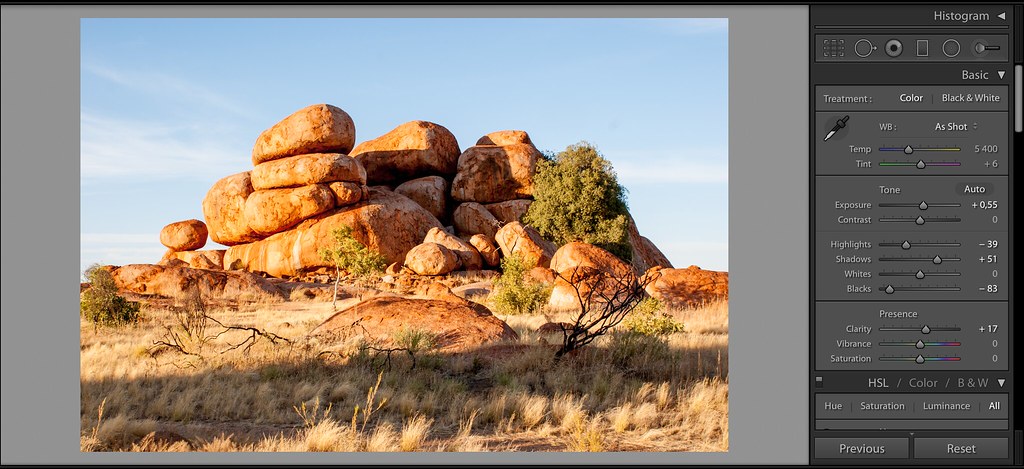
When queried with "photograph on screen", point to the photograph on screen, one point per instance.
{"points": [[384, 235]]}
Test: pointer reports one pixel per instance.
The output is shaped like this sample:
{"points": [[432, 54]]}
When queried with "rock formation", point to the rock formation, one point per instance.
{"points": [[688, 288], [320, 128], [409, 151], [457, 324], [185, 235]]}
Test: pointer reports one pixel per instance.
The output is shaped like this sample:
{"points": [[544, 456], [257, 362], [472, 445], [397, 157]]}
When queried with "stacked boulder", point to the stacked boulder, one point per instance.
{"points": [[411, 195], [183, 240]]}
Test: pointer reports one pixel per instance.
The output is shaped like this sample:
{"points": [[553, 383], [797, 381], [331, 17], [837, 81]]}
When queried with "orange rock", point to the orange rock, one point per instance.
{"points": [[320, 128], [524, 240], [469, 257], [458, 325], [430, 192], [274, 210], [385, 222], [431, 259], [224, 210], [577, 254], [184, 235], [541, 275], [688, 288], [509, 210], [411, 150], [488, 250], [348, 193], [588, 267], [505, 137], [171, 281], [301, 170], [207, 259], [488, 174], [645, 253], [472, 218]]}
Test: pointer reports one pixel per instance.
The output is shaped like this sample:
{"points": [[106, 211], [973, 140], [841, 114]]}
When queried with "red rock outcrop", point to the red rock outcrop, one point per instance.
{"points": [[169, 281], [458, 325], [386, 222]]}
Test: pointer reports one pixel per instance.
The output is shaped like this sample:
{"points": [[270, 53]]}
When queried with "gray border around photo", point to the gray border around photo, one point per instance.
{"points": [[768, 236]]}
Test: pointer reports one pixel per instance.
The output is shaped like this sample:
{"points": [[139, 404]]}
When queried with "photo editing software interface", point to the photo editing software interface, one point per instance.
{"points": [[914, 112], [861, 311]]}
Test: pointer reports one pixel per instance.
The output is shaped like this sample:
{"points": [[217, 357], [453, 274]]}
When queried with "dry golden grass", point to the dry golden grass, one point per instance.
{"points": [[621, 393]]}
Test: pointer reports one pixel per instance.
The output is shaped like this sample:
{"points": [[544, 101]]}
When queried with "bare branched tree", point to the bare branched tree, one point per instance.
{"points": [[189, 334], [605, 299]]}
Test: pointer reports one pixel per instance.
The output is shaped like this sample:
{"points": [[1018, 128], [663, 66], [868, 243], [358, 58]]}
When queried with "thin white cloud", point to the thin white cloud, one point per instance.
{"points": [[161, 84], [148, 150]]}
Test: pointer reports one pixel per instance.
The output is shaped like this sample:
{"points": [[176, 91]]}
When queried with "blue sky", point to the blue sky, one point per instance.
{"points": [[171, 105]]}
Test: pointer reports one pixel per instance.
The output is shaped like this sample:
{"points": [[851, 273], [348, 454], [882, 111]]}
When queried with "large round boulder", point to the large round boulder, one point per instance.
{"points": [[224, 210], [320, 128], [469, 257], [431, 259], [457, 325], [274, 210], [488, 173], [302, 170], [509, 210], [578, 255], [687, 288], [428, 191], [505, 137], [518, 239], [409, 151], [472, 218], [385, 222], [185, 235], [585, 267]]}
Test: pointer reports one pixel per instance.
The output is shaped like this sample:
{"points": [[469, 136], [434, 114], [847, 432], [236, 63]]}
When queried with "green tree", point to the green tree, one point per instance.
{"points": [[514, 293], [101, 304], [577, 197], [349, 255]]}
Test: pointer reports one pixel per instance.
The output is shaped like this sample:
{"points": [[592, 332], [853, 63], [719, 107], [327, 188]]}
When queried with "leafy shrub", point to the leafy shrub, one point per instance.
{"points": [[415, 340], [648, 319], [514, 294], [349, 255], [577, 197], [101, 304]]}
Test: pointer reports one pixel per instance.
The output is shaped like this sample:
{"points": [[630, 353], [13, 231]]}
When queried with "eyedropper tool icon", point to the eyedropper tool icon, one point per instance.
{"points": [[839, 124]]}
